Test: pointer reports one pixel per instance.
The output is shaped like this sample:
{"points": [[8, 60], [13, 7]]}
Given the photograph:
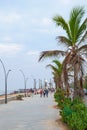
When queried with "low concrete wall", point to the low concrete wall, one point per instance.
{"points": [[12, 97], [9, 98], [2, 100]]}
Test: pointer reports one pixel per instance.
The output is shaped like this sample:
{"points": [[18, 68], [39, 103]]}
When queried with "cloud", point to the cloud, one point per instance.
{"points": [[6, 39], [33, 53], [42, 30], [46, 21], [41, 22], [65, 2], [9, 17], [9, 48], [43, 25]]}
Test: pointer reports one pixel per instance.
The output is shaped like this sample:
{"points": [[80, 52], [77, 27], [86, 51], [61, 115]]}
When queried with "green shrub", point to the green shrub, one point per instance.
{"points": [[65, 113], [79, 107], [59, 97], [73, 112], [77, 122], [77, 119]]}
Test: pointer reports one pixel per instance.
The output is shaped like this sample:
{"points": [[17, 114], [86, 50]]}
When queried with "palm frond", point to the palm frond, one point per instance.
{"points": [[52, 53], [59, 65], [83, 48], [55, 75], [53, 67], [59, 20], [74, 22], [64, 40], [83, 38]]}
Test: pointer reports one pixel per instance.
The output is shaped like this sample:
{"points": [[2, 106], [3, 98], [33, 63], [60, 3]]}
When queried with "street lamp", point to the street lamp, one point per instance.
{"points": [[34, 83], [40, 83], [6, 76], [25, 81], [45, 83]]}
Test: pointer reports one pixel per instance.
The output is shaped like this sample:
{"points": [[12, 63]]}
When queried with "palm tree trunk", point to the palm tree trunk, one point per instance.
{"points": [[61, 81], [81, 92], [76, 87], [78, 83], [66, 82]]}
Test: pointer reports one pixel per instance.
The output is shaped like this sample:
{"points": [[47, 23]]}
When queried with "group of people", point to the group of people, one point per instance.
{"points": [[44, 92]]}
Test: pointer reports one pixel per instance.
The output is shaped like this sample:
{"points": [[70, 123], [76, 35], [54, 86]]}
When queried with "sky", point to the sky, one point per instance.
{"points": [[26, 29]]}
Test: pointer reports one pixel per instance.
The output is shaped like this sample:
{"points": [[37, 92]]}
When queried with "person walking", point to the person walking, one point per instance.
{"points": [[41, 92], [46, 92]]}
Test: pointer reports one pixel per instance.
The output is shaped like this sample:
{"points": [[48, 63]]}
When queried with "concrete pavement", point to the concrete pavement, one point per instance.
{"points": [[33, 113]]}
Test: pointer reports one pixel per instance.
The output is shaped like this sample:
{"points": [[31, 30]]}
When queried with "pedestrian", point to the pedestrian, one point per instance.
{"points": [[41, 92], [44, 92]]}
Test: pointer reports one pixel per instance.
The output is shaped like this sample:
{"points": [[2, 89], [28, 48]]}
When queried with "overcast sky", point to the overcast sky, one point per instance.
{"points": [[26, 29]]}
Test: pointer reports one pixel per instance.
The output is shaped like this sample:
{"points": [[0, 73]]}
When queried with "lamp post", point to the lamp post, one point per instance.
{"points": [[40, 83], [45, 83], [34, 83], [6, 76], [25, 80]]}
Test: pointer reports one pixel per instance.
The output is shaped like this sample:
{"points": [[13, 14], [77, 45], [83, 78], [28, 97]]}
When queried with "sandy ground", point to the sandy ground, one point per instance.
{"points": [[59, 121]]}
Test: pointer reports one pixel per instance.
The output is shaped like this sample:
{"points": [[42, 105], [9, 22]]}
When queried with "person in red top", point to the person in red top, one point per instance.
{"points": [[41, 92]]}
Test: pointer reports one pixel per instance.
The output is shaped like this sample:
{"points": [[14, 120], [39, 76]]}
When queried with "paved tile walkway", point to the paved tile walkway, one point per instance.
{"points": [[33, 113]]}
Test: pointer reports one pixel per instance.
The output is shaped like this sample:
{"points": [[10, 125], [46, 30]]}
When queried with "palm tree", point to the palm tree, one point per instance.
{"points": [[57, 73], [75, 42]]}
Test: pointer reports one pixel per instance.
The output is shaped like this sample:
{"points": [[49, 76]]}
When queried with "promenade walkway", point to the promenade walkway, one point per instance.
{"points": [[33, 113]]}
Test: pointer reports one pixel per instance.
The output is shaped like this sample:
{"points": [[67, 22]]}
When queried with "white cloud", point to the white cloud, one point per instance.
{"points": [[6, 39], [46, 21], [65, 2], [43, 25], [33, 52], [10, 17], [9, 48], [42, 30], [41, 22]]}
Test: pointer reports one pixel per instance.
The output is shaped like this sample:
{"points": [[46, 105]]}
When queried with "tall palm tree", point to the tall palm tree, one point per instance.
{"points": [[75, 42], [57, 73]]}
